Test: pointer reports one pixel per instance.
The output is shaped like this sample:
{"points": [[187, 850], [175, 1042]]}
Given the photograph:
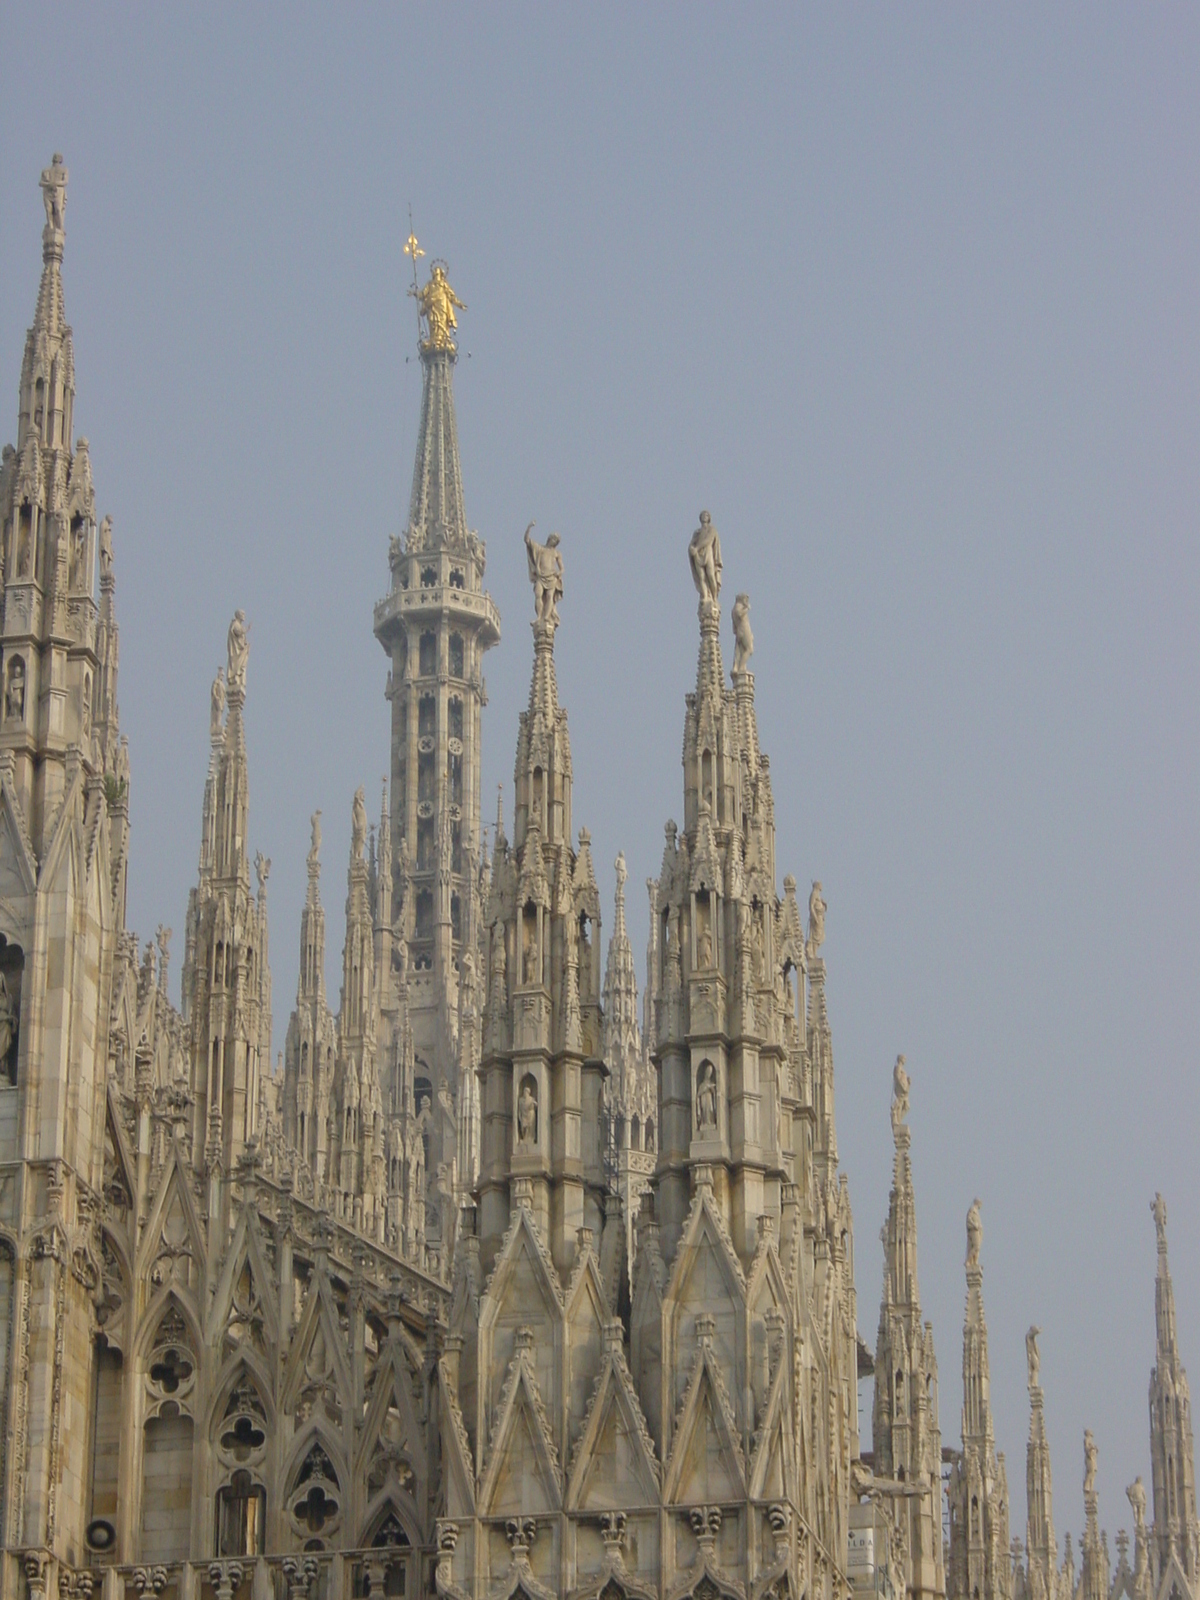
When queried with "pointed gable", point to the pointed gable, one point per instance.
{"points": [[523, 1292], [614, 1465], [521, 1474], [706, 1466]]}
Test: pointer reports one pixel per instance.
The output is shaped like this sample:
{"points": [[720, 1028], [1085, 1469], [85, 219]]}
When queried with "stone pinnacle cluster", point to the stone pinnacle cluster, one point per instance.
{"points": [[507, 1281]]}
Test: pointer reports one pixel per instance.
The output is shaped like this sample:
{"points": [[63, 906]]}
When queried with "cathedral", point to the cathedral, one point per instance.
{"points": [[506, 1284]]}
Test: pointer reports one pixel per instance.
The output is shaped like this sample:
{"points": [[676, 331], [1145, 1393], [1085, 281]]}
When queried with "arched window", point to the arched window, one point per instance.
{"points": [[649, 1133], [106, 1446], [457, 580], [457, 655], [241, 1516], [167, 1454], [12, 968], [428, 656], [429, 578], [426, 711], [455, 917], [455, 718], [424, 928]]}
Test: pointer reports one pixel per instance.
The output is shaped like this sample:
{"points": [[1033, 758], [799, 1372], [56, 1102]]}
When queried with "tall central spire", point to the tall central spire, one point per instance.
{"points": [[435, 624]]}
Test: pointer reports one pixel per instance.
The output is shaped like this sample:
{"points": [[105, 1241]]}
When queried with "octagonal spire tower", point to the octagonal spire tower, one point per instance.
{"points": [[435, 624]]}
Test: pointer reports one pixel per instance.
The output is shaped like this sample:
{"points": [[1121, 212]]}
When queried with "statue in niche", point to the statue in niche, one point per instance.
{"points": [[23, 547], [545, 574], [8, 1019], [758, 950], [704, 554], [974, 1234], [743, 639], [14, 700], [78, 547], [217, 707], [704, 948], [706, 1097], [901, 1084], [499, 962], [86, 704], [1090, 1456], [1032, 1359], [358, 824], [239, 650], [527, 1113], [106, 550], [816, 919], [314, 849]]}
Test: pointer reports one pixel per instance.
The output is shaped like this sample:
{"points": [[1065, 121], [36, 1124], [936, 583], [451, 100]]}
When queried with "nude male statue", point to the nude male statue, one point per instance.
{"points": [[545, 574], [704, 554]]}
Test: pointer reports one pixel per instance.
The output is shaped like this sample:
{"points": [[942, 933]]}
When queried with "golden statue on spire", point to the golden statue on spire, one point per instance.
{"points": [[436, 303]]}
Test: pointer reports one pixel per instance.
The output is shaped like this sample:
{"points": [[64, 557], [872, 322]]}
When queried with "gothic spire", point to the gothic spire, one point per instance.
{"points": [[980, 1561], [1172, 1454], [437, 514], [1040, 1543], [906, 1437]]}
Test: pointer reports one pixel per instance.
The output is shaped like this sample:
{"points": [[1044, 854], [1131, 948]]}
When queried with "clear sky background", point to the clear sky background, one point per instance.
{"points": [[908, 299]]}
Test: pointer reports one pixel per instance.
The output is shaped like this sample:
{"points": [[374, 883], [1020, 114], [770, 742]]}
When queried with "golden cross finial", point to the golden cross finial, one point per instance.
{"points": [[412, 249]]}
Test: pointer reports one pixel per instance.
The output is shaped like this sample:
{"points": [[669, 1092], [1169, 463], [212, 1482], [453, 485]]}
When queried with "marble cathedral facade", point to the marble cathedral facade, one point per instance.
{"points": [[501, 1284]]}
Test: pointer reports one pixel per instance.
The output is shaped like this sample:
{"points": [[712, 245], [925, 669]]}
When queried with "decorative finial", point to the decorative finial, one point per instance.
{"points": [[358, 824], [1159, 1208], [816, 920], [974, 1234], [436, 302], [743, 639], [622, 874], [1033, 1359], [1090, 1455], [314, 849], [901, 1083], [546, 576], [239, 650], [704, 554]]}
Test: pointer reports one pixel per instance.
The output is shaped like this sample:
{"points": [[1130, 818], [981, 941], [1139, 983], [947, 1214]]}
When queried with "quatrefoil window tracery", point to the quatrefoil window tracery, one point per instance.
{"points": [[171, 1370], [243, 1440]]}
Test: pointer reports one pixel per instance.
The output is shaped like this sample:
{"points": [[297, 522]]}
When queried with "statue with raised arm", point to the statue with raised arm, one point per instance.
{"points": [[239, 651], [437, 302], [217, 708], [358, 824], [106, 551], [545, 574], [974, 1234], [314, 849], [743, 639], [1032, 1358], [704, 554]]}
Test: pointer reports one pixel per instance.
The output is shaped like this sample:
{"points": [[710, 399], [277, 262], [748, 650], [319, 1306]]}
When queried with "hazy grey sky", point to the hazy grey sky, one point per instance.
{"points": [[908, 299]]}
